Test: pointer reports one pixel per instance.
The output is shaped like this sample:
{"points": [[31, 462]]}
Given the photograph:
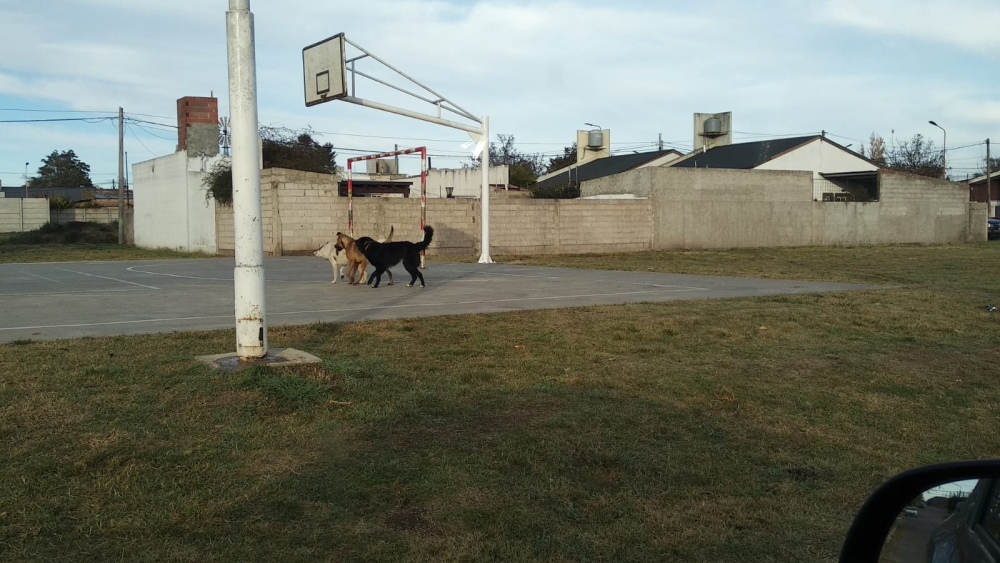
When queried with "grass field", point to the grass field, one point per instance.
{"points": [[729, 430]]}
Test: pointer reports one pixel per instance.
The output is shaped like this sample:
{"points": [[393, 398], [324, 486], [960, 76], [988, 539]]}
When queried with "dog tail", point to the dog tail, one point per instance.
{"points": [[428, 235]]}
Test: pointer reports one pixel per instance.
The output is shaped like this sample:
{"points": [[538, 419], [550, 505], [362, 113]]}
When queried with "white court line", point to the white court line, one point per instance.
{"points": [[110, 279], [135, 270], [89, 293], [348, 309], [42, 277]]}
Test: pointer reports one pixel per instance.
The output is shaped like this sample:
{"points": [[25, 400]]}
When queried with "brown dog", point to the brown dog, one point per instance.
{"points": [[356, 261]]}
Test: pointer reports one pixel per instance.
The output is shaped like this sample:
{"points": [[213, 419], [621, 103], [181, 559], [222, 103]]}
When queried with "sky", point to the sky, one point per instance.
{"points": [[540, 69]]}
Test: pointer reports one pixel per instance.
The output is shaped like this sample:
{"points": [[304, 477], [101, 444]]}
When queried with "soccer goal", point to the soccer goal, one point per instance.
{"points": [[376, 159]]}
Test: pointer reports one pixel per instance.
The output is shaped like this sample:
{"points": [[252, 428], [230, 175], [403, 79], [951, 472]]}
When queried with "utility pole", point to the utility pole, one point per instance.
{"points": [[121, 176], [661, 141], [396, 158], [988, 188]]}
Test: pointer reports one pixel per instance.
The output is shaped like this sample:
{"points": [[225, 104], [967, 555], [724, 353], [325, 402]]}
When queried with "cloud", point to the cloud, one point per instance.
{"points": [[538, 69], [970, 25]]}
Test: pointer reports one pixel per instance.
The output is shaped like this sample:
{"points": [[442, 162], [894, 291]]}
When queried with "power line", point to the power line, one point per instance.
{"points": [[110, 113], [140, 141], [150, 115], [167, 125], [843, 137], [150, 133], [85, 119], [775, 135], [55, 110]]}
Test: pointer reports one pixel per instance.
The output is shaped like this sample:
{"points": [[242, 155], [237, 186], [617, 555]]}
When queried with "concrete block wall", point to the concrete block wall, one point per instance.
{"points": [[720, 209], [637, 182], [225, 238], [587, 226], [703, 209], [755, 186], [524, 226], [698, 225], [103, 215], [373, 216], [845, 224], [18, 214], [923, 210], [457, 226], [301, 211], [531, 226]]}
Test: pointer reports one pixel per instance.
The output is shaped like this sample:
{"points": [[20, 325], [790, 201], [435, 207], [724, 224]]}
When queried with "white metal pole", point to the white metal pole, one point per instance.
{"points": [[484, 258], [423, 200], [248, 275], [121, 176]]}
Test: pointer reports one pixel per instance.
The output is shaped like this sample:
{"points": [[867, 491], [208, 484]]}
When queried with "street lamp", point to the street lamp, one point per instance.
{"points": [[944, 150], [592, 125], [25, 180]]}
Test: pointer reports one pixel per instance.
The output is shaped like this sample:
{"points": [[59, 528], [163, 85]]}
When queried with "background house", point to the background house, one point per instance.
{"points": [[383, 179], [977, 192], [839, 174], [464, 182], [606, 166]]}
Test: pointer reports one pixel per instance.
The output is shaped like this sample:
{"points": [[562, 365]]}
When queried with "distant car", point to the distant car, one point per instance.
{"points": [[993, 229], [910, 512]]}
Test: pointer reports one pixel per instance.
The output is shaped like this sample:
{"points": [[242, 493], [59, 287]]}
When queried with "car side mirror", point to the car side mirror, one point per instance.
{"points": [[937, 513]]}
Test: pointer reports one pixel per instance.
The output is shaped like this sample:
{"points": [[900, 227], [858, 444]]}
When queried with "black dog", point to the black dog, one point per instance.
{"points": [[386, 255]]}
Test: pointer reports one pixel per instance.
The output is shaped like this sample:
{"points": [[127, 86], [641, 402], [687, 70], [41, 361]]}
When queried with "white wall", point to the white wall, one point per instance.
{"points": [[468, 182], [819, 156], [170, 206]]}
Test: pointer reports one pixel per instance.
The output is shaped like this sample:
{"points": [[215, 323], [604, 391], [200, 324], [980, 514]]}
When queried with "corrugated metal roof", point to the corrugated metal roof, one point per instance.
{"points": [[603, 167], [743, 155]]}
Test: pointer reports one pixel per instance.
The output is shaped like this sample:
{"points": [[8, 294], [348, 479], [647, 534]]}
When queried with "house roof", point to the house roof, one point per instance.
{"points": [[982, 179], [366, 188], [602, 167], [72, 194], [744, 155]]}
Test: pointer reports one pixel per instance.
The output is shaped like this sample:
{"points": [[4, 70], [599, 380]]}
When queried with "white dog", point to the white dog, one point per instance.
{"points": [[338, 258]]}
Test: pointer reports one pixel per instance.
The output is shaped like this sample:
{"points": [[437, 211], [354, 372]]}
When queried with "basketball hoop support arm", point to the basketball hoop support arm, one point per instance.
{"points": [[479, 131]]}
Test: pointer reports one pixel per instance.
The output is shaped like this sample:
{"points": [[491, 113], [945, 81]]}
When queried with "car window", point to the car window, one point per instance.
{"points": [[991, 514]]}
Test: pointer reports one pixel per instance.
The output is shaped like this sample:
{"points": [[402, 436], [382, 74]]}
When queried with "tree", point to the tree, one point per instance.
{"points": [[280, 148], [285, 148], [876, 149], [62, 170], [523, 168], [994, 166], [568, 158], [916, 156]]}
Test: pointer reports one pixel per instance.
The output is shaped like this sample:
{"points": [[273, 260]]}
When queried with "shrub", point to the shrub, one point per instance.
{"points": [[218, 183]]}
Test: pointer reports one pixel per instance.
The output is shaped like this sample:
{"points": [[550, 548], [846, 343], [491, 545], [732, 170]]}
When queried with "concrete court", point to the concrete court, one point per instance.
{"points": [[49, 301]]}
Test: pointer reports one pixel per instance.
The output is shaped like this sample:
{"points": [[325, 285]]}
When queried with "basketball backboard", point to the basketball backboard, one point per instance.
{"points": [[324, 71]]}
